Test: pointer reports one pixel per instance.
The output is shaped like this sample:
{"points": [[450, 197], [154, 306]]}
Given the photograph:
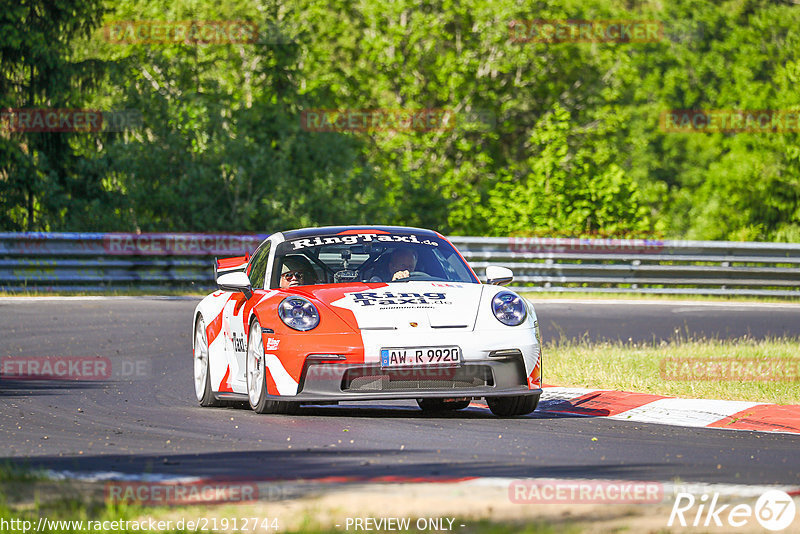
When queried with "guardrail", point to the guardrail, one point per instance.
{"points": [[640, 265], [99, 262]]}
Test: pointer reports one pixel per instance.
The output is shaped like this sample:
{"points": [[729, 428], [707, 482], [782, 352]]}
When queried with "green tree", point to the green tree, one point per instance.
{"points": [[222, 146], [43, 184]]}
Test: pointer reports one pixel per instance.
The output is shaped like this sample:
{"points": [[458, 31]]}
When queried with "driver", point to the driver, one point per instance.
{"points": [[402, 263], [296, 271]]}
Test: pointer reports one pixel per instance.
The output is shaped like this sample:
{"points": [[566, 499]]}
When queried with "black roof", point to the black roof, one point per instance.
{"points": [[333, 230]]}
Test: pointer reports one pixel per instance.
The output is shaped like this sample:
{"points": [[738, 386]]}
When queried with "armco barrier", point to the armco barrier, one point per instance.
{"points": [[640, 265], [100, 261]]}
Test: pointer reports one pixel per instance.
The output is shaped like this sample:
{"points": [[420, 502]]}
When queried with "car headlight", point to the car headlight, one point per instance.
{"points": [[509, 308], [298, 313]]}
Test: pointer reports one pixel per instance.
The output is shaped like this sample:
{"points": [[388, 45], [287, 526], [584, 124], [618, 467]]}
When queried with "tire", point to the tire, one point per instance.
{"points": [[202, 367], [256, 377], [511, 406], [442, 405]]}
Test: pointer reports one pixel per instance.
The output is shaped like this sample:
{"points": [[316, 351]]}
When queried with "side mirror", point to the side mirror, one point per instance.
{"points": [[237, 281], [499, 276]]}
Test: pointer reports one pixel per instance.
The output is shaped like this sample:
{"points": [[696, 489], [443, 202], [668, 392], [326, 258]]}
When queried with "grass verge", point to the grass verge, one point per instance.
{"points": [[74, 512], [12, 472], [758, 370]]}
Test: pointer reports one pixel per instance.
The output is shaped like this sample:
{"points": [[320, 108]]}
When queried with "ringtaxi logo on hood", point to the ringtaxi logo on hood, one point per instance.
{"points": [[389, 298]]}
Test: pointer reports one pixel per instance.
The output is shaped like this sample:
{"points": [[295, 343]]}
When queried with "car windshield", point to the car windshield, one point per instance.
{"points": [[365, 257]]}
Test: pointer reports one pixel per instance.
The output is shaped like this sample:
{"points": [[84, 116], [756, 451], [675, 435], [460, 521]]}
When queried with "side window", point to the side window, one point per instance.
{"points": [[455, 269], [258, 266]]}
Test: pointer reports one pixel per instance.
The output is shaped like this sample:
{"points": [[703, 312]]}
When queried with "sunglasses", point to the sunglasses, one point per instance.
{"points": [[293, 274]]}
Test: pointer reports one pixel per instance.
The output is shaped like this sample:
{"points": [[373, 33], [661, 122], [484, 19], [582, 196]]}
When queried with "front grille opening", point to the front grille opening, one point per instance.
{"points": [[434, 379]]}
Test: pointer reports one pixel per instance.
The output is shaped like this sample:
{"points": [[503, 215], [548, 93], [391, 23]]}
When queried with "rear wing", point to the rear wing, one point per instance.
{"points": [[230, 265]]}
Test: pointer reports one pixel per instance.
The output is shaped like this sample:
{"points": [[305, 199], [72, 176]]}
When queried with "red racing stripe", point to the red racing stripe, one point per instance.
{"points": [[225, 385], [272, 387], [535, 378], [258, 296], [214, 327]]}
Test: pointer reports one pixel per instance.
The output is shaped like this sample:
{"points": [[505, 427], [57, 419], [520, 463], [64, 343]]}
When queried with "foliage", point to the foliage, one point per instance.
{"points": [[41, 178], [549, 138]]}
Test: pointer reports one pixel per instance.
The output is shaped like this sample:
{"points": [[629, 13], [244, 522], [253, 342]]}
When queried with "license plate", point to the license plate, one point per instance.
{"points": [[399, 357]]}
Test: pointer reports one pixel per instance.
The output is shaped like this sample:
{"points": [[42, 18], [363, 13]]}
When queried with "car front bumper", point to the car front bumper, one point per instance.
{"points": [[326, 382]]}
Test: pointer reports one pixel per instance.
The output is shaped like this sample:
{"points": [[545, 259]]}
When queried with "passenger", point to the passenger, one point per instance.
{"points": [[296, 271]]}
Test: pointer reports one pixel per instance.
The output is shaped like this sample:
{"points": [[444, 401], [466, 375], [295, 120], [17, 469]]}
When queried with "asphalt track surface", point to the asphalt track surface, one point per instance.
{"points": [[152, 424]]}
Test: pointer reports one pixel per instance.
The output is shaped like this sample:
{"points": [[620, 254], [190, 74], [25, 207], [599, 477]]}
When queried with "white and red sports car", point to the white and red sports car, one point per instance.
{"points": [[322, 315]]}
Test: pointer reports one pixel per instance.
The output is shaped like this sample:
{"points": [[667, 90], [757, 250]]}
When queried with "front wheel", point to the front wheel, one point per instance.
{"points": [[256, 377], [510, 406]]}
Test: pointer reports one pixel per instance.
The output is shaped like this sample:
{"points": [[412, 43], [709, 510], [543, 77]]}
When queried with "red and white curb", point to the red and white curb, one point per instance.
{"points": [[647, 408]]}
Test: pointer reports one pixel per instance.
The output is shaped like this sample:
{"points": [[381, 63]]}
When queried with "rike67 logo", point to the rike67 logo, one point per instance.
{"points": [[774, 510]]}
